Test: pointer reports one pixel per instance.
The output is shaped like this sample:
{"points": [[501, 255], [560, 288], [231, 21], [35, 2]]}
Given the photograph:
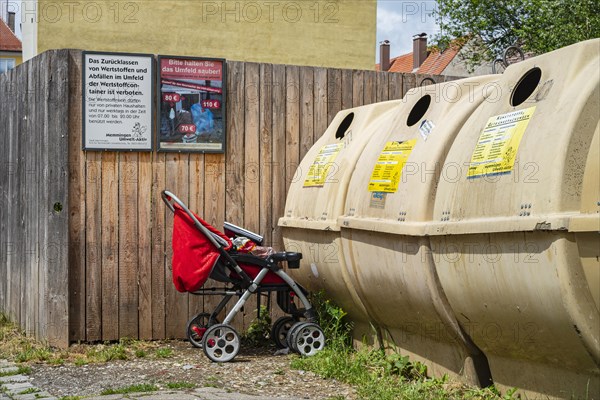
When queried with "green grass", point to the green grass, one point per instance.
{"points": [[21, 370], [180, 385], [163, 353], [131, 389], [140, 353], [375, 374], [71, 398], [259, 330], [29, 391]]}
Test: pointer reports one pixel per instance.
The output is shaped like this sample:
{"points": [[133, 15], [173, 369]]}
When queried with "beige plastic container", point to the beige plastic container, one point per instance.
{"points": [[316, 199], [515, 242], [383, 229]]}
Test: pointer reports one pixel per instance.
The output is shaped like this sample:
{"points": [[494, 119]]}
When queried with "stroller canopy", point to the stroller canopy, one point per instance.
{"points": [[194, 255]]}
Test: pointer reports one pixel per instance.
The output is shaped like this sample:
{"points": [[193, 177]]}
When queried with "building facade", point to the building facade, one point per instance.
{"points": [[10, 47], [316, 33]]}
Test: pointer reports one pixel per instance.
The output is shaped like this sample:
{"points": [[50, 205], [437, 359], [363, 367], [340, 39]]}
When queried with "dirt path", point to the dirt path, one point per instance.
{"points": [[254, 372]]}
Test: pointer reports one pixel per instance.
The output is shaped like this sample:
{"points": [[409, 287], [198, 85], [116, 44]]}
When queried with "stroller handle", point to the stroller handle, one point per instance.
{"points": [[169, 198]]}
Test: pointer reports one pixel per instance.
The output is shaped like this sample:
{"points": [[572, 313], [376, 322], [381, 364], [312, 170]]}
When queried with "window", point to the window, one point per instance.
{"points": [[6, 64]]}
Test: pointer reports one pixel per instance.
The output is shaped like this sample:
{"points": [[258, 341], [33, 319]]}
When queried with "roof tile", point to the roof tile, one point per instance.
{"points": [[435, 63], [8, 40]]}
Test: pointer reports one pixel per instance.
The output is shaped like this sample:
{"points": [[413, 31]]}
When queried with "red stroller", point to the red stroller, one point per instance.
{"points": [[201, 252]]}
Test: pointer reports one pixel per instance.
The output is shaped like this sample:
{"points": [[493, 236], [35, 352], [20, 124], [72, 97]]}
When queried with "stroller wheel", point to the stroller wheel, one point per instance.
{"points": [[221, 343], [288, 338], [280, 330], [307, 338], [197, 326]]}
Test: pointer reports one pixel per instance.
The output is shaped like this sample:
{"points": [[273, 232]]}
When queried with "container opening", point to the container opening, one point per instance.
{"points": [[419, 110], [526, 86], [343, 128]]}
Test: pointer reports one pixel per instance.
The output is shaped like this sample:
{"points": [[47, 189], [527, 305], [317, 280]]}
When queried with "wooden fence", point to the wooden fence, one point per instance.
{"points": [[118, 254], [34, 233]]}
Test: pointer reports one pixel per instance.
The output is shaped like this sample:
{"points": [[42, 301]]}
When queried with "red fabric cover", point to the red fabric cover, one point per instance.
{"points": [[252, 270], [194, 256]]}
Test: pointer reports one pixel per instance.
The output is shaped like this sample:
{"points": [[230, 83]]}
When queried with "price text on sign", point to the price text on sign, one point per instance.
{"points": [[187, 128], [172, 97], [214, 104]]}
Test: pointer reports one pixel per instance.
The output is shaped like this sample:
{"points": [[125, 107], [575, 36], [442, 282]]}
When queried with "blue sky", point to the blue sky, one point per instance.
{"points": [[399, 20]]}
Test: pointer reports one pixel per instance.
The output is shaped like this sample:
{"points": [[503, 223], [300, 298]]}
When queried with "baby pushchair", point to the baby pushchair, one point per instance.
{"points": [[201, 252]]}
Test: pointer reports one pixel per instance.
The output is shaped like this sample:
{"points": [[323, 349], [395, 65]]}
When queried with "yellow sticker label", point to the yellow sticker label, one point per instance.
{"points": [[388, 170], [322, 169], [496, 150]]}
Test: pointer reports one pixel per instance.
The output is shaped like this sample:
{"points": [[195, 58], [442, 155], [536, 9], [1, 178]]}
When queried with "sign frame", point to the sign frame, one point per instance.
{"points": [[182, 148], [152, 102]]}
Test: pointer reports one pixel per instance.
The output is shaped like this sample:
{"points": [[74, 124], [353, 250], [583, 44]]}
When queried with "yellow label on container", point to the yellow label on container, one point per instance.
{"points": [[496, 150], [388, 170], [323, 168]]}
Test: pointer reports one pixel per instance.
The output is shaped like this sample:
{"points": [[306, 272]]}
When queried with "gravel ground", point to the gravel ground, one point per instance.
{"points": [[253, 371]]}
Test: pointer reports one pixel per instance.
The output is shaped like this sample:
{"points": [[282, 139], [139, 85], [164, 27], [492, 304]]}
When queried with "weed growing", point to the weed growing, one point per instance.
{"points": [[259, 331], [17, 347], [131, 389], [375, 374], [180, 385]]}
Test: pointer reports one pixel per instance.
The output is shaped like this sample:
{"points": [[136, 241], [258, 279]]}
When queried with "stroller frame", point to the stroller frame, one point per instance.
{"points": [[220, 341]]}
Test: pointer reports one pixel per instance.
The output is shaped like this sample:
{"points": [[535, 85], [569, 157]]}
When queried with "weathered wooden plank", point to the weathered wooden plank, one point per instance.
{"points": [[358, 88], [307, 115], [110, 246], [292, 125], [93, 247], [266, 152], [334, 93], [252, 166], [214, 206], [279, 151], [196, 303], [43, 210], [176, 306], [370, 87], [347, 89], [252, 147], [239, 95], [144, 246], [30, 215], [159, 244], [382, 87], [77, 207], [320, 102], [14, 253], [6, 91], [234, 156], [128, 242], [395, 86], [58, 219], [409, 81]]}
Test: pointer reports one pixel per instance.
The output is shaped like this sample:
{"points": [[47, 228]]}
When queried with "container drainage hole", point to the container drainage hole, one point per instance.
{"points": [[419, 110], [526, 86], [343, 128]]}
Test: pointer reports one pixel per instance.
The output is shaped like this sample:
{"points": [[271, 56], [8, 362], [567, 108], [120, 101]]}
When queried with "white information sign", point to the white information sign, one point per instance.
{"points": [[118, 94]]}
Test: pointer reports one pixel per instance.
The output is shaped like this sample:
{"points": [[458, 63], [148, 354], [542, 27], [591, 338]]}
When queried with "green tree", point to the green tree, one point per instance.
{"points": [[537, 26]]}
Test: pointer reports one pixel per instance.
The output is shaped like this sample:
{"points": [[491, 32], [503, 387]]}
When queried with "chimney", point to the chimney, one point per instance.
{"points": [[419, 50], [11, 21], [384, 55]]}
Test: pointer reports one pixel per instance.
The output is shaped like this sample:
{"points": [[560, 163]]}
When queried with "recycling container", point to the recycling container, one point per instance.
{"points": [[515, 237], [316, 199], [383, 229]]}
